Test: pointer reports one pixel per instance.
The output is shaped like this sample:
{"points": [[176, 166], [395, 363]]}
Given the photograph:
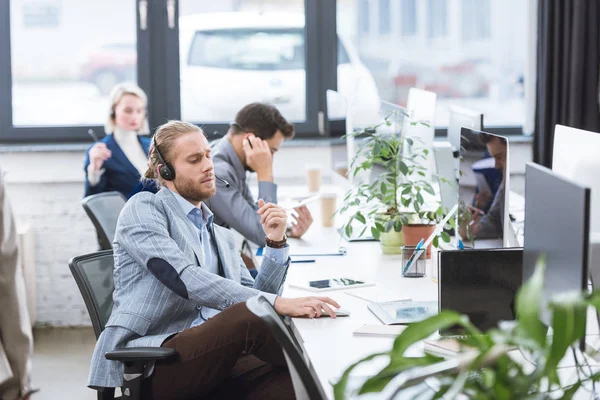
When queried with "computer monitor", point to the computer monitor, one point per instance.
{"points": [[557, 223], [421, 105], [462, 118], [481, 284], [446, 172], [484, 190], [575, 156]]}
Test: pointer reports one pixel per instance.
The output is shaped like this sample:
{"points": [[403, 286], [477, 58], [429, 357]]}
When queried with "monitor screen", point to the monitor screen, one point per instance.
{"points": [[584, 168], [481, 284], [557, 225], [459, 118], [483, 190]]}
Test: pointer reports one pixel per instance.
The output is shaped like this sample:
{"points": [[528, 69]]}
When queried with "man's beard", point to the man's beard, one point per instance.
{"points": [[191, 190]]}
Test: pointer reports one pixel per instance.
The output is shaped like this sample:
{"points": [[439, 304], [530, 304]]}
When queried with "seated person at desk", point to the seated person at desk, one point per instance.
{"points": [[117, 162], [179, 283], [490, 225], [251, 142]]}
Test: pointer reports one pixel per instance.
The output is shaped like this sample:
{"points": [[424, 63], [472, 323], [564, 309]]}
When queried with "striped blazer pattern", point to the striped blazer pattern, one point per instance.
{"points": [[152, 231]]}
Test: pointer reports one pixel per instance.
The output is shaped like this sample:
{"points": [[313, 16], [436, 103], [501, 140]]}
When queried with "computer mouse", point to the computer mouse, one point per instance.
{"points": [[339, 312]]}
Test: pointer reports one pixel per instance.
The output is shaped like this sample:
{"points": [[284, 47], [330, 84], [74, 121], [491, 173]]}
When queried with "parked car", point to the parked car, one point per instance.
{"points": [[109, 64], [228, 60], [231, 59]]}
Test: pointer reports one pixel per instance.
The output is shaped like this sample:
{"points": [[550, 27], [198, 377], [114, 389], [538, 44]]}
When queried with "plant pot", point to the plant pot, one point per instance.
{"points": [[391, 242], [413, 233]]}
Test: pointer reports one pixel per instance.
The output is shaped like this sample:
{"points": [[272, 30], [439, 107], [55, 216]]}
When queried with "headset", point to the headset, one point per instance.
{"points": [[167, 172]]}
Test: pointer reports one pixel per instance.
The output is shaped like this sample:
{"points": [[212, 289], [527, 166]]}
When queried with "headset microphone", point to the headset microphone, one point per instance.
{"points": [[227, 185]]}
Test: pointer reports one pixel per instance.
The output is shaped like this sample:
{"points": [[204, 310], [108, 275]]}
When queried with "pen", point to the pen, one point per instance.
{"points": [[417, 251], [413, 255], [312, 260], [250, 143], [93, 135]]}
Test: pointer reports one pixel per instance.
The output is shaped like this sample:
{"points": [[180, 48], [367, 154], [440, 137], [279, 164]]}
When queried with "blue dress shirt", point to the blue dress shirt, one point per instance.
{"points": [[202, 219]]}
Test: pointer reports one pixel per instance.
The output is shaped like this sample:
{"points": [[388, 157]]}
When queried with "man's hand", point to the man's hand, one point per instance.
{"points": [[303, 222], [482, 198], [310, 307], [273, 219], [258, 157], [98, 154]]}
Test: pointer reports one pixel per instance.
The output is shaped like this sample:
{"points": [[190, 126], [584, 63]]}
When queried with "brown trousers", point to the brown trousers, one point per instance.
{"points": [[231, 356]]}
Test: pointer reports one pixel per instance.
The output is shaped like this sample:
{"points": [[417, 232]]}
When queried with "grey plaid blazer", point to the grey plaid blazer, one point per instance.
{"points": [[154, 234]]}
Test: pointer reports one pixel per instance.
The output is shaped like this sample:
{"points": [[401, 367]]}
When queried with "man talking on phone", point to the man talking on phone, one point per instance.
{"points": [[252, 140]]}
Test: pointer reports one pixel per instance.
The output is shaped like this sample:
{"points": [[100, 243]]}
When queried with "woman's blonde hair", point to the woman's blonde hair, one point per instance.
{"points": [[164, 138], [116, 94]]}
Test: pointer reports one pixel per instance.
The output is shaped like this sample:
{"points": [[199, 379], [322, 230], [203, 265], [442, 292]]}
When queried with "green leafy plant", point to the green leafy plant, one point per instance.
{"points": [[395, 197], [488, 371]]}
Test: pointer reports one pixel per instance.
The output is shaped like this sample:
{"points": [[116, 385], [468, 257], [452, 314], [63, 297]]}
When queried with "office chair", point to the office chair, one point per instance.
{"points": [[94, 276], [103, 209], [305, 380]]}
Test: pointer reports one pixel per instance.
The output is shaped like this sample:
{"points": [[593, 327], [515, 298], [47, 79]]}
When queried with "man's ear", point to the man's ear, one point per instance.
{"points": [[248, 135]]}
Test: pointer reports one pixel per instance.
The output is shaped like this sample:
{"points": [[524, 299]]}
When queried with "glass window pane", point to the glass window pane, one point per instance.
{"points": [[65, 59], [437, 21], [384, 17], [237, 52], [471, 53], [408, 13]]}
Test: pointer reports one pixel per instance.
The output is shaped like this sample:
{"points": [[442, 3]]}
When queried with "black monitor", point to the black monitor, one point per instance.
{"points": [[557, 222], [481, 284], [483, 190]]}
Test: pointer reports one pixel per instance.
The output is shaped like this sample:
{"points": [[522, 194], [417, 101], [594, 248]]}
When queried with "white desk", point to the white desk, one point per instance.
{"points": [[329, 343]]}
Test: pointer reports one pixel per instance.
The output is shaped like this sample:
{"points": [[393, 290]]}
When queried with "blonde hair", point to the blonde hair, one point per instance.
{"points": [[164, 138], [116, 94]]}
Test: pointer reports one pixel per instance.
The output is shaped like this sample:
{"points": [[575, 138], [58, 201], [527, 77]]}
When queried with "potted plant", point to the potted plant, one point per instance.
{"points": [[487, 371], [396, 195]]}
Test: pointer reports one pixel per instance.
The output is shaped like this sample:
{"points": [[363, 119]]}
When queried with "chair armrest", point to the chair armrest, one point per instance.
{"points": [[133, 354]]}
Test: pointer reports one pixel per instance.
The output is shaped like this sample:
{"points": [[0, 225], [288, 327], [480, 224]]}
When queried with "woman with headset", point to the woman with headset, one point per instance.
{"points": [[117, 162]]}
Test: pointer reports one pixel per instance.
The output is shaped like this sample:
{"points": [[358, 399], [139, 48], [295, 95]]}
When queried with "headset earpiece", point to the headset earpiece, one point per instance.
{"points": [[166, 171]]}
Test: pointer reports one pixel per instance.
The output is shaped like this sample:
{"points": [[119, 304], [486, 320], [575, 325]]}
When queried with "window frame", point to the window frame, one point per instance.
{"points": [[158, 75]]}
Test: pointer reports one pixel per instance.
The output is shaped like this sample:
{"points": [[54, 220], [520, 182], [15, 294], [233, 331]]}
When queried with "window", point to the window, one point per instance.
{"points": [[437, 24], [248, 49], [484, 73], [363, 16], [233, 56], [61, 75], [475, 20], [408, 17], [384, 17], [41, 15]]}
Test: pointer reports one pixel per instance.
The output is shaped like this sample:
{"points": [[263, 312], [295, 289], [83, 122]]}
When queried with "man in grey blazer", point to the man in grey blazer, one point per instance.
{"points": [[180, 283], [250, 144]]}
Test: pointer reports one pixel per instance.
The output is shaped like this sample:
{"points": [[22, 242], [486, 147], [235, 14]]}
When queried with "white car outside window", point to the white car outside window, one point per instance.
{"points": [[231, 59]]}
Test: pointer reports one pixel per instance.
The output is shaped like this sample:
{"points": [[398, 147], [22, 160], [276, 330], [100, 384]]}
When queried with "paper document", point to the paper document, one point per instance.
{"points": [[376, 295], [379, 330]]}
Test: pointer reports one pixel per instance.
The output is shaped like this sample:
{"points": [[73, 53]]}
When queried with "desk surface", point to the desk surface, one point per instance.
{"points": [[329, 343]]}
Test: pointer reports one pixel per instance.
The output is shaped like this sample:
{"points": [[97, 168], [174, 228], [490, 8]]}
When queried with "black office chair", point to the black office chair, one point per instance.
{"points": [[94, 276], [305, 380], [103, 209]]}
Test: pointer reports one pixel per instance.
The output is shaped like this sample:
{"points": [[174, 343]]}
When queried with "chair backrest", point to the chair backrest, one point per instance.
{"points": [[306, 383], [103, 209], [94, 276]]}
